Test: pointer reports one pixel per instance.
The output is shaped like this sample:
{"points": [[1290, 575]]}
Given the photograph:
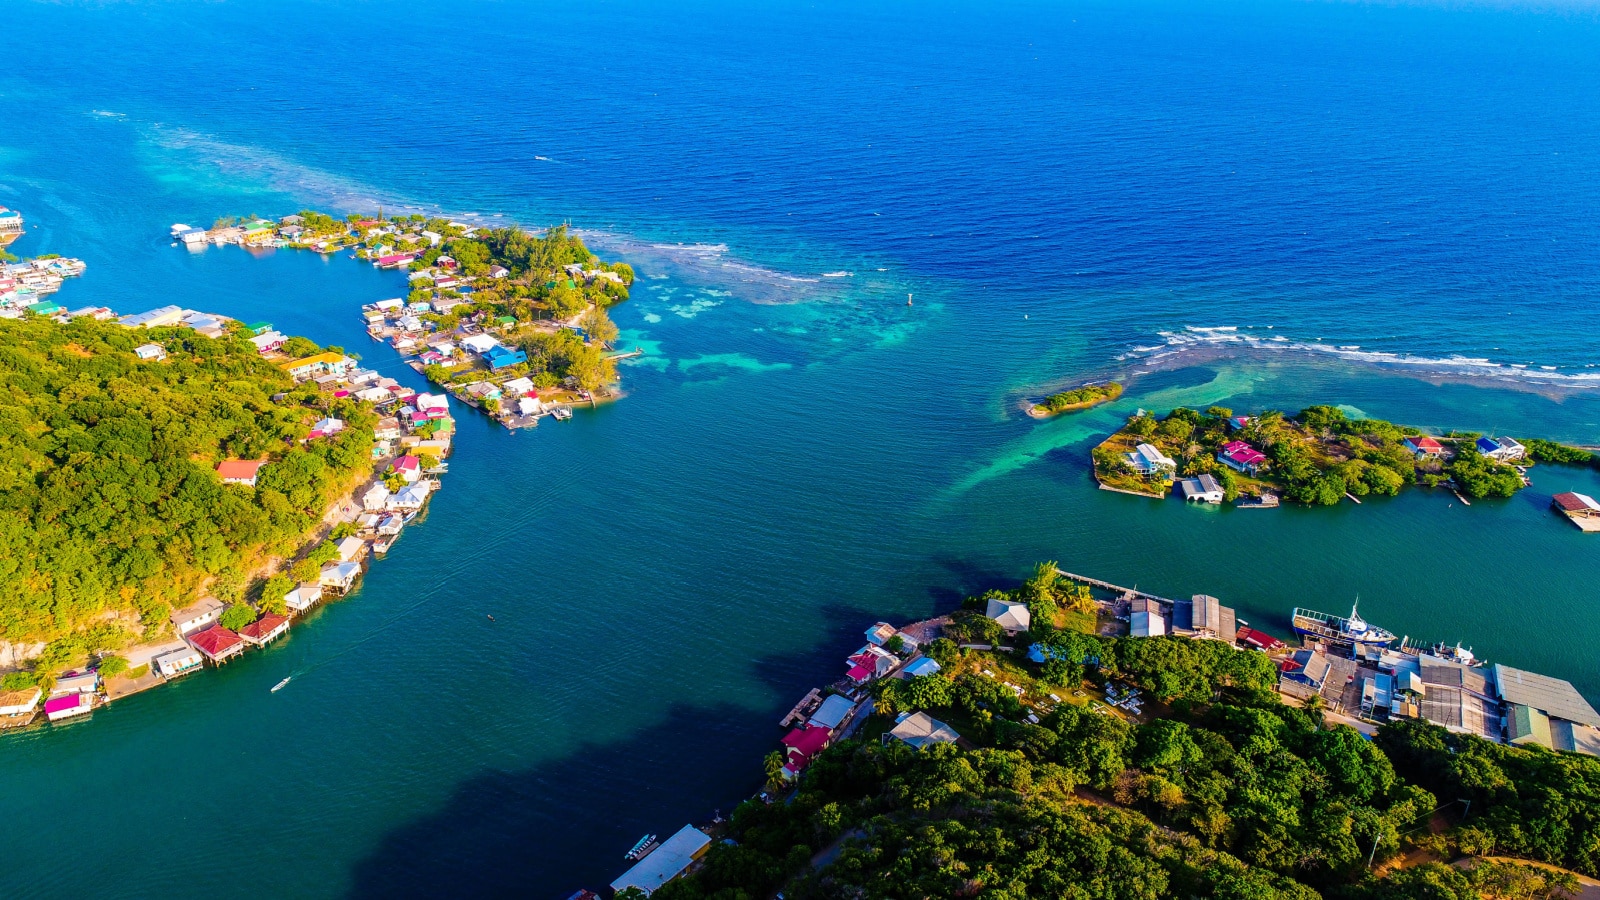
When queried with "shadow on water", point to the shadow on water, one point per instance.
{"points": [[527, 833]]}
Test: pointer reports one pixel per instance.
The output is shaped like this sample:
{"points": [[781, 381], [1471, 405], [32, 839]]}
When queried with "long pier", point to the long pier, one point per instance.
{"points": [[1095, 582]]}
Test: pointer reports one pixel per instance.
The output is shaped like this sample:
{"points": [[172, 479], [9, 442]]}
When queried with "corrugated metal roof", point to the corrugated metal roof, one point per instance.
{"points": [[1551, 695]]}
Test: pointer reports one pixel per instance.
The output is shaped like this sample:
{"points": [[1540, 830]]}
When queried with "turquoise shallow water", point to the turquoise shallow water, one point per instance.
{"points": [[669, 573]]}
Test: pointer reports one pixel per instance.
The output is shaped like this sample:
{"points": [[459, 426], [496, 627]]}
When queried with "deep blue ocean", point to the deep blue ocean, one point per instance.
{"points": [[1387, 206]]}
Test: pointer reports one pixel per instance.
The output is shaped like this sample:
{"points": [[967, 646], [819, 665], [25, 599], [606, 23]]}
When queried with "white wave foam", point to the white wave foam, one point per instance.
{"points": [[1197, 338]]}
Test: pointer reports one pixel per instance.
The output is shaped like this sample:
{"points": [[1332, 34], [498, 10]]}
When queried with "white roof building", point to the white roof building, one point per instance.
{"points": [[918, 730], [1011, 615], [479, 343], [1147, 459], [832, 711], [666, 862]]}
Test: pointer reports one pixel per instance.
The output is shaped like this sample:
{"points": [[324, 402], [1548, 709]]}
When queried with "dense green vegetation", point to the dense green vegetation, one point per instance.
{"points": [[1080, 398], [1551, 452], [1316, 456], [1228, 794], [111, 512]]}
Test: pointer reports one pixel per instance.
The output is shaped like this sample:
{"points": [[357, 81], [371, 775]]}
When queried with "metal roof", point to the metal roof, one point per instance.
{"points": [[1551, 696]]}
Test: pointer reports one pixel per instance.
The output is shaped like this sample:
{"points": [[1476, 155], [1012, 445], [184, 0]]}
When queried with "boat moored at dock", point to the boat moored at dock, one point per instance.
{"points": [[1352, 631]]}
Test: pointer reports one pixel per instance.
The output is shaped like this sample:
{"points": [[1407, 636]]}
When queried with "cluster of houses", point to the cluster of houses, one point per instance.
{"points": [[1448, 687], [74, 694], [471, 346], [25, 287], [818, 720]]}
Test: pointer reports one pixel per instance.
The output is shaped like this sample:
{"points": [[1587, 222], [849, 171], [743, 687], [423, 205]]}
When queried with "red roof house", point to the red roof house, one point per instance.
{"points": [[1241, 456], [803, 744], [264, 629], [1424, 446], [240, 471], [217, 643]]}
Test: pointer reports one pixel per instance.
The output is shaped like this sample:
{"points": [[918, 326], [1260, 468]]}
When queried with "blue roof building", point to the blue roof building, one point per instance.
{"points": [[1487, 446], [502, 357]]}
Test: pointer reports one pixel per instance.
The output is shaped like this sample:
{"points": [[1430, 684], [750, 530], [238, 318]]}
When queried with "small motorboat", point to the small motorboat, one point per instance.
{"points": [[279, 686], [645, 845], [561, 413]]}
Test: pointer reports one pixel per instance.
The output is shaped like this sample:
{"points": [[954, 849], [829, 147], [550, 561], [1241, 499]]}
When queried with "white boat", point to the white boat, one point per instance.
{"points": [[279, 686], [561, 413], [837, 274]]}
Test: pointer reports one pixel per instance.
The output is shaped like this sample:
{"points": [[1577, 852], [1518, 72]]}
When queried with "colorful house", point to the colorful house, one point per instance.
{"points": [[1148, 460], [177, 662], [217, 643], [1501, 449], [408, 467], [1424, 447], [1242, 457], [801, 746], [264, 629], [58, 708]]}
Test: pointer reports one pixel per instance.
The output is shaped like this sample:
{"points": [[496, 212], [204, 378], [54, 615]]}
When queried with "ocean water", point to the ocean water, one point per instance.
{"points": [[1253, 204]]}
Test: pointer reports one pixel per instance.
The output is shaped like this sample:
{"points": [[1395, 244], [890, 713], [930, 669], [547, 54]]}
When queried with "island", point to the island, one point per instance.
{"points": [[180, 486], [510, 322], [1090, 395], [1318, 457], [987, 753]]}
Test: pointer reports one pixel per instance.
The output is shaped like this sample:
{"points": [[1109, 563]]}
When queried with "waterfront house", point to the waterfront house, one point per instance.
{"points": [[880, 633], [269, 342], [240, 471], [376, 497], [1580, 508], [150, 352], [431, 403], [410, 497], [1009, 614], [65, 707], [19, 703], [1202, 488], [833, 711], [177, 662], [155, 318], [484, 391], [390, 525], [408, 467], [76, 683], [801, 745], [339, 576], [350, 548], [436, 447], [197, 616], [918, 730], [1424, 447], [1148, 460], [260, 632], [1242, 457], [1501, 449], [868, 663], [666, 862], [517, 387], [303, 597], [529, 405], [217, 643], [922, 666]]}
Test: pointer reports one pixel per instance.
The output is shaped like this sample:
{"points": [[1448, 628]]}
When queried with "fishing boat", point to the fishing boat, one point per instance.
{"points": [[279, 686], [1352, 631], [1456, 654], [645, 845]]}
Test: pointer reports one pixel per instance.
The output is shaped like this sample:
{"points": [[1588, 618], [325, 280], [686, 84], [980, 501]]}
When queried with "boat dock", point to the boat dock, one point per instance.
{"points": [[802, 709], [1106, 585]]}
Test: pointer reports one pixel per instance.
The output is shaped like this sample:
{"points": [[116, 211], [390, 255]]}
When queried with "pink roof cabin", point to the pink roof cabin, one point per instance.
{"points": [[394, 259], [802, 745], [407, 465], [65, 707], [1241, 456]]}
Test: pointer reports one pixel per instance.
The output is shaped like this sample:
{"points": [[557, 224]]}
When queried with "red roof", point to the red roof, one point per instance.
{"points": [[1425, 443], [244, 469], [262, 627], [860, 673], [1259, 639], [1243, 454], [405, 463], [1570, 501], [215, 640], [806, 742]]}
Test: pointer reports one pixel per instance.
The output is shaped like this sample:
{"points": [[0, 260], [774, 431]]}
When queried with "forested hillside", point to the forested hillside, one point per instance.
{"points": [[111, 512]]}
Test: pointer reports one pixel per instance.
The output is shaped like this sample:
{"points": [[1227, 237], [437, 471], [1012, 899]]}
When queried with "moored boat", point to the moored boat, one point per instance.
{"points": [[1340, 630]]}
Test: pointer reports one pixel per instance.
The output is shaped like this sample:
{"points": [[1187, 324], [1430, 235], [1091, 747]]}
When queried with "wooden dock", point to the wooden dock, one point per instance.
{"points": [[811, 698], [1106, 585]]}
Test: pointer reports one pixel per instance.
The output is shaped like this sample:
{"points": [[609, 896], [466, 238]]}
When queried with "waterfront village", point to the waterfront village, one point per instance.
{"points": [[409, 443], [1353, 672], [1320, 457], [511, 324]]}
